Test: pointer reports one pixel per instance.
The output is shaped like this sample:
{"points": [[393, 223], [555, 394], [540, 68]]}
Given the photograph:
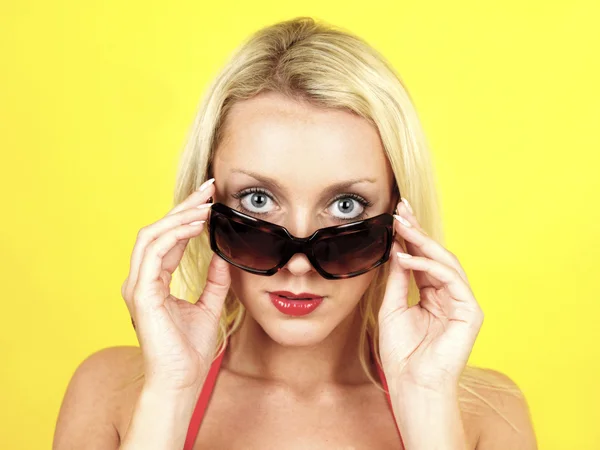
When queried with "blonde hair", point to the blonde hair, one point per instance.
{"points": [[329, 67]]}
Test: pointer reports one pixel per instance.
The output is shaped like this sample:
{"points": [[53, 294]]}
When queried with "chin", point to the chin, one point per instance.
{"points": [[294, 332]]}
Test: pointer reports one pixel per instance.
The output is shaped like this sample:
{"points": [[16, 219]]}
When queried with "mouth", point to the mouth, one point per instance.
{"points": [[302, 296], [292, 304]]}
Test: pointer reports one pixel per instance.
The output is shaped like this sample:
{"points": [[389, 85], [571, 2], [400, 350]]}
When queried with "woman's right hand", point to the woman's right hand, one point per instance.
{"points": [[177, 338]]}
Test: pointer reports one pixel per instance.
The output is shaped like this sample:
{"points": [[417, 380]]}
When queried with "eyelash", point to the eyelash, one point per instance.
{"points": [[363, 201]]}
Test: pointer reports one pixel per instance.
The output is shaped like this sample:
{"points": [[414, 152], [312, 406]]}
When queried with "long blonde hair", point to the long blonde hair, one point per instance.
{"points": [[327, 66]]}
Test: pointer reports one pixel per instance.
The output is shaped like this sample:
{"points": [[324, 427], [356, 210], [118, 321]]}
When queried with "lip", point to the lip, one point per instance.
{"points": [[294, 307], [303, 295]]}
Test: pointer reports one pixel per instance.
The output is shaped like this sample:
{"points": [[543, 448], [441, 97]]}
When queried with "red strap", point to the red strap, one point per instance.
{"points": [[387, 391], [203, 399]]}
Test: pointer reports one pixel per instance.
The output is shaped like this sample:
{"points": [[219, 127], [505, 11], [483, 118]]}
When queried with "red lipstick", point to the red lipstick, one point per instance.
{"points": [[295, 304]]}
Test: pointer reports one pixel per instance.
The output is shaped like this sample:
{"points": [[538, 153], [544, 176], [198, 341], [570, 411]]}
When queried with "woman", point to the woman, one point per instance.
{"points": [[307, 127]]}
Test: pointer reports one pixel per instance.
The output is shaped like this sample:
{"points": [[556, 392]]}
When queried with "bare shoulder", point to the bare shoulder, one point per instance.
{"points": [[497, 407], [97, 397]]}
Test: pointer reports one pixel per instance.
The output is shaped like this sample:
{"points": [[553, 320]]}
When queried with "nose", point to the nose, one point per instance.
{"points": [[300, 225], [299, 265]]}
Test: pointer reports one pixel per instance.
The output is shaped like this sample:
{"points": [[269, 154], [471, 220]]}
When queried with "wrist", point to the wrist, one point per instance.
{"points": [[159, 389], [160, 418], [171, 387], [436, 391], [420, 409], [410, 401]]}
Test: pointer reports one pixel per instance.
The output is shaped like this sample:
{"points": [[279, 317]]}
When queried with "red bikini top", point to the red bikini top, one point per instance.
{"points": [[207, 390]]}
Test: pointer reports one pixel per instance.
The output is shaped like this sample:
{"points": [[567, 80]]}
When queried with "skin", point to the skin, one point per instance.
{"points": [[296, 383]]}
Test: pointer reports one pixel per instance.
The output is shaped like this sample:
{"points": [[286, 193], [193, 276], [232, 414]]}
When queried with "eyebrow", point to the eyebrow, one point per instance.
{"points": [[276, 186]]}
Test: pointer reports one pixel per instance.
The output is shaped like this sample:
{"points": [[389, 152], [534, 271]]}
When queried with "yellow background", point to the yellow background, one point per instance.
{"points": [[96, 98]]}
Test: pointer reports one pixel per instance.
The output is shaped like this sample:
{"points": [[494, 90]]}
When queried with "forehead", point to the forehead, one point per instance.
{"points": [[295, 141]]}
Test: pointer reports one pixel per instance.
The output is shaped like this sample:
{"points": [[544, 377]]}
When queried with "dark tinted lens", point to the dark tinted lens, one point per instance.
{"points": [[247, 246], [352, 252]]}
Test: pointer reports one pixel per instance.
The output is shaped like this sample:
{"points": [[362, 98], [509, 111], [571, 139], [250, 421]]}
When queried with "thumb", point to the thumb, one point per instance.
{"points": [[396, 289], [218, 280]]}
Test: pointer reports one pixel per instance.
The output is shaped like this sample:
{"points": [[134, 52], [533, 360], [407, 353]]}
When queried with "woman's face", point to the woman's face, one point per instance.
{"points": [[278, 162]]}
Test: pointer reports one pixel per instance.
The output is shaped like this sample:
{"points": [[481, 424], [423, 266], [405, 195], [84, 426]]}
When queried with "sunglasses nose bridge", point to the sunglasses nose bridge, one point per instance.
{"points": [[297, 245], [300, 245]]}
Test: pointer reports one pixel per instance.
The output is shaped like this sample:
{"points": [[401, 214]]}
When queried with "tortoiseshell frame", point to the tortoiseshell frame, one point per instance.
{"points": [[300, 245]]}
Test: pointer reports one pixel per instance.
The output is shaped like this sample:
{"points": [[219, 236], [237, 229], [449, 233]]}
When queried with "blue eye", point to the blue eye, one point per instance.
{"points": [[258, 198], [347, 204], [253, 201]]}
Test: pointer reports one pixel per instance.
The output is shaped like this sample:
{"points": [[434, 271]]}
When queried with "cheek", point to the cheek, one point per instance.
{"points": [[246, 285], [353, 289]]}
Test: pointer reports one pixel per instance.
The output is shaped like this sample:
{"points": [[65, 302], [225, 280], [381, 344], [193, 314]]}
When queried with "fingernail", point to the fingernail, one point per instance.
{"points": [[205, 184], [402, 220], [197, 222], [407, 205], [403, 255], [204, 205]]}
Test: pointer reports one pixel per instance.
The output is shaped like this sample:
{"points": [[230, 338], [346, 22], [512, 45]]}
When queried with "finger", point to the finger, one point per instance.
{"points": [[200, 195], [396, 289], [404, 207], [442, 275], [218, 280], [150, 285], [148, 234], [422, 279], [421, 244]]}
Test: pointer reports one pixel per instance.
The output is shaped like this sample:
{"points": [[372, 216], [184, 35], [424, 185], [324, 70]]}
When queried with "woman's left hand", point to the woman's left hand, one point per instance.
{"points": [[426, 345]]}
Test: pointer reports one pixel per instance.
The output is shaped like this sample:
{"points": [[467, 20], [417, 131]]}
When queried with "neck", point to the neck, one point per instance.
{"points": [[252, 353]]}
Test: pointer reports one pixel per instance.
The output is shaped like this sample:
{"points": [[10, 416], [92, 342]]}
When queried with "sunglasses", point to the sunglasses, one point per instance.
{"points": [[263, 248]]}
